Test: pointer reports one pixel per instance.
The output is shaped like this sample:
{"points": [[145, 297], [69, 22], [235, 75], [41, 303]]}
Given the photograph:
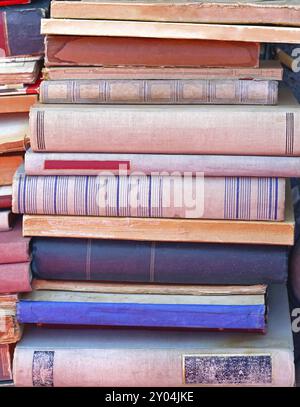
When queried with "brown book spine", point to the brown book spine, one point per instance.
{"points": [[17, 104], [5, 363], [84, 51], [8, 167], [160, 91]]}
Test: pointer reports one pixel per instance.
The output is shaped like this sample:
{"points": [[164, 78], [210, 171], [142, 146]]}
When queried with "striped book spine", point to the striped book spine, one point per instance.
{"points": [[151, 196]]}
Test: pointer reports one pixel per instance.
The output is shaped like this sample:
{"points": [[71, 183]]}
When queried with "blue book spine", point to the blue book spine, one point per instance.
{"points": [[245, 317]]}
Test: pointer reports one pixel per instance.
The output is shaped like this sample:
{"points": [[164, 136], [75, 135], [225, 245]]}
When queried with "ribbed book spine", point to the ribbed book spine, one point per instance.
{"points": [[160, 91], [151, 196]]}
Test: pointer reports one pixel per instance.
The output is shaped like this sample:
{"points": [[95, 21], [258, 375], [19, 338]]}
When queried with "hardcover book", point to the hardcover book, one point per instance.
{"points": [[14, 248], [5, 196], [128, 357], [14, 130], [216, 312], [153, 29], [278, 12], [10, 329], [17, 103], [154, 196], [157, 262], [106, 50], [172, 91], [19, 70], [15, 277], [5, 364], [267, 70], [209, 165], [9, 165], [165, 129], [20, 29]]}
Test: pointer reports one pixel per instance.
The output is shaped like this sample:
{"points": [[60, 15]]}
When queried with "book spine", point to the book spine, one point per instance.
{"points": [[5, 202], [154, 367], [209, 165], [171, 130], [16, 26], [15, 277], [10, 330], [5, 363], [8, 167], [160, 91], [228, 317], [62, 50], [151, 196]]}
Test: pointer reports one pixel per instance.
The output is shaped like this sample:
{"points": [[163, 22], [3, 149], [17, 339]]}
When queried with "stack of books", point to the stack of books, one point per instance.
{"points": [[155, 192], [21, 60]]}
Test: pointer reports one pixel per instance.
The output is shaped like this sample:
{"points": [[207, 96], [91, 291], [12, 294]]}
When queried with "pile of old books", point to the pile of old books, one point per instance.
{"points": [[21, 52], [156, 194]]}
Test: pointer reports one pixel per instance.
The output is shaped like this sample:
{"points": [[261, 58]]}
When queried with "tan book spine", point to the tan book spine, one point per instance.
{"points": [[170, 230], [249, 33], [174, 91], [249, 12]]}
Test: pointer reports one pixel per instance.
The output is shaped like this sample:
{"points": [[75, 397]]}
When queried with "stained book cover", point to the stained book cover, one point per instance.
{"points": [[181, 91], [157, 262], [62, 50], [166, 129], [277, 12], [5, 364], [227, 312], [10, 329], [210, 165], [46, 357], [20, 29], [246, 198]]}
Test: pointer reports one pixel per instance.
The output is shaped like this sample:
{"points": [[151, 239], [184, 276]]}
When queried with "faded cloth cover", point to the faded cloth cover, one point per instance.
{"points": [[14, 248], [64, 50], [132, 261], [20, 29], [15, 278], [180, 91], [151, 196], [210, 165], [231, 312], [166, 129], [127, 357]]}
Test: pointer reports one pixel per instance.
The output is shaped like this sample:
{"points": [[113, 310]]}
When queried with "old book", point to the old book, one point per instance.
{"points": [[118, 164], [165, 129], [286, 12], [153, 29], [5, 220], [14, 130], [105, 50], [20, 23], [14, 248], [137, 288], [220, 312], [18, 104], [157, 262], [15, 277], [46, 357], [154, 196], [5, 196], [10, 329], [164, 230], [5, 364], [19, 71], [20, 89], [172, 91], [8, 166], [267, 70]]}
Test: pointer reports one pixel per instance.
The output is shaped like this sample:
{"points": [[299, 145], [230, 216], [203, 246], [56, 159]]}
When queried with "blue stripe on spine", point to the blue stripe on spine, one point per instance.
{"points": [[270, 197], [237, 197], [86, 189], [54, 195], [276, 199]]}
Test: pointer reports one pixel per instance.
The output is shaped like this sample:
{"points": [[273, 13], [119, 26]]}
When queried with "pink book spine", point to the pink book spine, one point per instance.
{"points": [[36, 367], [246, 198], [15, 278], [159, 91], [210, 165], [226, 130], [14, 248]]}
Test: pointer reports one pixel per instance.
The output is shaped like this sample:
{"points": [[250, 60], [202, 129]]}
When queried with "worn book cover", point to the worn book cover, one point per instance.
{"points": [[14, 130], [106, 50], [9, 165], [278, 12], [46, 357], [19, 70], [14, 248]]}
